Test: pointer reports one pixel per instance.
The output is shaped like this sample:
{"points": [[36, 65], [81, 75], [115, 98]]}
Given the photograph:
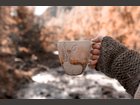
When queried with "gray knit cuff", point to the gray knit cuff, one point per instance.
{"points": [[110, 49], [116, 61]]}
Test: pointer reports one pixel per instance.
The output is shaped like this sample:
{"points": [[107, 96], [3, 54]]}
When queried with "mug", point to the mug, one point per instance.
{"points": [[74, 55]]}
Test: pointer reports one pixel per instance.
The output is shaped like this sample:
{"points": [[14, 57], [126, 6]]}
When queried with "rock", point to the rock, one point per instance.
{"points": [[53, 85]]}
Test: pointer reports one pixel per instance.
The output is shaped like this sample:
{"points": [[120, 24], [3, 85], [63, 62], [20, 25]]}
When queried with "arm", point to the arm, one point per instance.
{"points": [[118, 62]]}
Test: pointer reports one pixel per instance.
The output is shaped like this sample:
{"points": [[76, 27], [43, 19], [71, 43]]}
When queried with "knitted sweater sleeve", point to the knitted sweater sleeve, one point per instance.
{"points": [[116, 61]]}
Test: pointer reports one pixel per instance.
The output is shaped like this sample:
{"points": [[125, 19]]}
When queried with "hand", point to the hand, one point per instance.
{"points": [[95, 51]]}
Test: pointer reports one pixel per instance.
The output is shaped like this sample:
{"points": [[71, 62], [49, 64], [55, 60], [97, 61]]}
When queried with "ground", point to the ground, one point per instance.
{"points": [[53, 83]]}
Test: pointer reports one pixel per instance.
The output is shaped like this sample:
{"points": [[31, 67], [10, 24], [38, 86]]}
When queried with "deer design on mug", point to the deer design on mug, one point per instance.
{"points": [[67, 52]]}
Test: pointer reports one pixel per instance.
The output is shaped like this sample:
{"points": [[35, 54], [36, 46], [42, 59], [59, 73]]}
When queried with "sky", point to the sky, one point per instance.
{"points": [[39, 10]]}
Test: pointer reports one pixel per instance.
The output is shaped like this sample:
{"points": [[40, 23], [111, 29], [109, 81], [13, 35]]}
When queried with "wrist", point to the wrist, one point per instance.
{"points": [[109, 50]]}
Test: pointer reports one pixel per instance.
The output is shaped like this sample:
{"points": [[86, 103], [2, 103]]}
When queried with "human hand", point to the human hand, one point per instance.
{"points": [[95, 51]]}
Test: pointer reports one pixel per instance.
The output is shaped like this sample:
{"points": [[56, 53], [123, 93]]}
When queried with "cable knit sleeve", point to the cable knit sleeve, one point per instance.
{"points": [[116, 61]]}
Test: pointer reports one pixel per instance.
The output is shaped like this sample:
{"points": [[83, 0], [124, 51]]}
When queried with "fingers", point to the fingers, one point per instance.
{"points": [[94, 57], [92, 63], [96, 46], [95, 52]]}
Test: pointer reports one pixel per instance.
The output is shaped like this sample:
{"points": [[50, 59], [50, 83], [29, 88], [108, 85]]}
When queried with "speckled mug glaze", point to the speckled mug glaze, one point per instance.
{"points": [[74, 56]]}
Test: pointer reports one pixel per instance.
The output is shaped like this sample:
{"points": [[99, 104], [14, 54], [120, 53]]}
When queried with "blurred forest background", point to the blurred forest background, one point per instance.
{"points": [[29, 64]]}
